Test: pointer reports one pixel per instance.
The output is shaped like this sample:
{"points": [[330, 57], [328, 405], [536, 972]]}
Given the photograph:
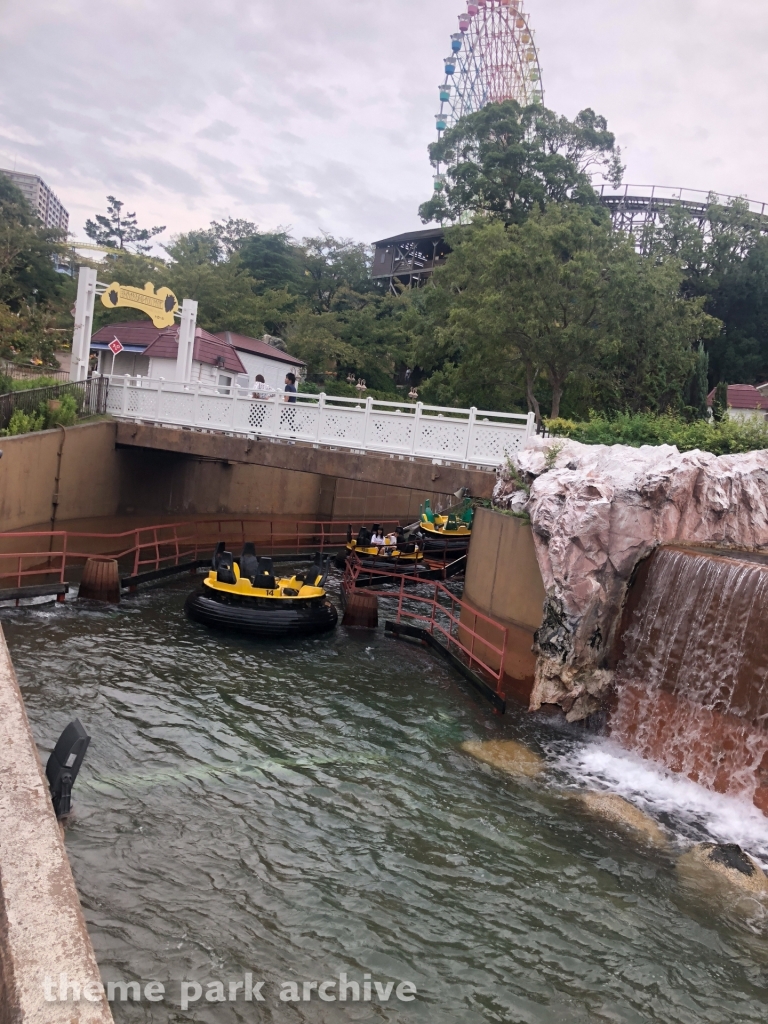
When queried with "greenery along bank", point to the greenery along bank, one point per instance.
{"points": [[541, 305]]}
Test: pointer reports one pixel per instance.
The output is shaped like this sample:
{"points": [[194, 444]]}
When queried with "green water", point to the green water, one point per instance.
{"points": [[297, 811]]}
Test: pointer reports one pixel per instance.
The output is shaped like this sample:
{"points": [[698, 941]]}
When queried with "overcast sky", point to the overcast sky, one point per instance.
{"points": [[316, 114]]}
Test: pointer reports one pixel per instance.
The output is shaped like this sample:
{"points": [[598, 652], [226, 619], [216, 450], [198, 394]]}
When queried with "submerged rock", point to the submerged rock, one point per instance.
{"points": [[510, 756], [614, 808], [595, 512], [725, 862]]}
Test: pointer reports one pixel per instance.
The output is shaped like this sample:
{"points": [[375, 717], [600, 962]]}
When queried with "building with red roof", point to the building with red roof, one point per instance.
{"points": [[221, 359], [262, 356], [745, 402]]}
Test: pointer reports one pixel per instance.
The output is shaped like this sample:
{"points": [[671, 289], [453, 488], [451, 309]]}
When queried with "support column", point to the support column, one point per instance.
{"points": [[81, 339], [187, 329]]}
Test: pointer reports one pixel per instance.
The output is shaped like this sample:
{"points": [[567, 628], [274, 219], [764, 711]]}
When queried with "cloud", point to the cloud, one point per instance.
{"points": [[319, 115]]}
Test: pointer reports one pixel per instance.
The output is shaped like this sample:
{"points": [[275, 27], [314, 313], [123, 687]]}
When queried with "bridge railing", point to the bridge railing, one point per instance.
{"points": [[466, 436]]}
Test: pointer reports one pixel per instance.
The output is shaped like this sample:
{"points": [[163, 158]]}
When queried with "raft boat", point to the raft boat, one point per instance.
{"points": [[445, 534], [399, 554], [243, 594]]}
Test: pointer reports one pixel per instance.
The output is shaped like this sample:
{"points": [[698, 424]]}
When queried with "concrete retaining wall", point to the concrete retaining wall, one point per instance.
{"points": [[42, 930], [79, 474], [503, 581]]}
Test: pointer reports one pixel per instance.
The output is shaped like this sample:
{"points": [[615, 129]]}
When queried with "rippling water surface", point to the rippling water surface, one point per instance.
{"points": [[297, 811]]}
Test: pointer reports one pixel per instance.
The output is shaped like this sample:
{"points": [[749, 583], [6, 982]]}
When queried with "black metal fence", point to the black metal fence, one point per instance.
{"points": [[91, 397], [29, 373]]}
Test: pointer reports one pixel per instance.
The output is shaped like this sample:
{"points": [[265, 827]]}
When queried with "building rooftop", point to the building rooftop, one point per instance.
{"points": [[208, 349], [742, 396], [429, 234], [258, 347]]}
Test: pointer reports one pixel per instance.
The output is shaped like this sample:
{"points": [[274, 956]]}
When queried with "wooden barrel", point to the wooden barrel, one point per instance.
{"points": [[361, 609], [101, 581]]}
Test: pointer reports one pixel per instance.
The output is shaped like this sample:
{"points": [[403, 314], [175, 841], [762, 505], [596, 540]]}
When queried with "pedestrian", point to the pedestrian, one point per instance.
{"points": [[261, 389], [290, 388]]}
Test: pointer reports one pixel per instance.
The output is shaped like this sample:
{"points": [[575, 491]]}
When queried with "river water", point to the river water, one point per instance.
{"points": [[298, 811]]}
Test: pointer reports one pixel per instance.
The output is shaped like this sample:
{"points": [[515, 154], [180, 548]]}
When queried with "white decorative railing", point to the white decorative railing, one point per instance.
{"points": [[468, 436]]}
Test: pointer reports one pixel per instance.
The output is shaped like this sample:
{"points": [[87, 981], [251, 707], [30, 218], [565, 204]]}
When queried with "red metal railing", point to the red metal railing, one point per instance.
{"points": [[446, 617], [48, 555]]}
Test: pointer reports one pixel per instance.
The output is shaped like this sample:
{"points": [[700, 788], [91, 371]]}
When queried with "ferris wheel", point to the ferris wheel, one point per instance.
{"points": [[493, 58]]}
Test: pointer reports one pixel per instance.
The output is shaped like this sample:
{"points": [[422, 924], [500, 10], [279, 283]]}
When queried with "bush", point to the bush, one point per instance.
{"points": [[6, 384], [44, 418], [722, 437], [24, 423], [29, 383]]}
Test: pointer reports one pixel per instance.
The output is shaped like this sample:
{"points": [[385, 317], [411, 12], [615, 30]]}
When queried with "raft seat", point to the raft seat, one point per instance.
{"points": [[225, 569], [219, 551], [264, 582], [249, 562]]}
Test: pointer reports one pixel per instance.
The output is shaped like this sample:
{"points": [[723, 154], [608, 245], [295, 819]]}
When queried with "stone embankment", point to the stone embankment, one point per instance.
{"points": [[48, 971], [596, 512]]}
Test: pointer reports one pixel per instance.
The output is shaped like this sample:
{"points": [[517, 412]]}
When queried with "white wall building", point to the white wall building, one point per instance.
{"points": [[222, 360], [259, 356]]}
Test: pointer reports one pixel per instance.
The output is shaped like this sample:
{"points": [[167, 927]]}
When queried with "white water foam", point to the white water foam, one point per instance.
{"points": [[692, 812]]}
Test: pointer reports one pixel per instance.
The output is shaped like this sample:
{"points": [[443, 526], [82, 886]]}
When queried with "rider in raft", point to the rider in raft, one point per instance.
{"points": [[248, 598]]}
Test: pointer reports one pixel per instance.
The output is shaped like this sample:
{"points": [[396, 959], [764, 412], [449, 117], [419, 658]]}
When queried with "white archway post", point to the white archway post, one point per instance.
{"points": [[81, 339], [187, 329]]}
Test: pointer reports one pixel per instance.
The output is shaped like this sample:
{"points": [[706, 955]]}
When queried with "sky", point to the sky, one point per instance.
{"points": [[315, 115]]}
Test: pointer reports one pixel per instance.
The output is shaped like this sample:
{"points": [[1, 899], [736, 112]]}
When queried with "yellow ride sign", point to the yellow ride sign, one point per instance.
{"points": [[159, 305]]}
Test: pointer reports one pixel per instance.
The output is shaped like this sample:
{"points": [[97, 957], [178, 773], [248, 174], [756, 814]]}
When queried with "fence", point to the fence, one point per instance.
{"points": [[466, 436], [30, 558], [428, 610], [91, 398], [30, 372]]}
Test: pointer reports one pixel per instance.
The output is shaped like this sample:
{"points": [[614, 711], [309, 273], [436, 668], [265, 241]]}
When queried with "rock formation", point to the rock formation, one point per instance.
{"points": [[510, 756], [615, 809], [596, 511], [726, 862]]}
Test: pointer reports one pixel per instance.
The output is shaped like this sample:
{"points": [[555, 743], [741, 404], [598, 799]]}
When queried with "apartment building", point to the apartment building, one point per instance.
{"points": [[41, 198]]}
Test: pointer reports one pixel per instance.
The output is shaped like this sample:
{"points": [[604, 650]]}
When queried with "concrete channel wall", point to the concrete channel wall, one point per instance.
{"points": [[503, 581], [43, 938], [80, 474]]}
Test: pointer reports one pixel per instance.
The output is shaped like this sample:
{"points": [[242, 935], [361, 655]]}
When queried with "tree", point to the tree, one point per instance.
{"points": [[725, 263], [274, 260], [522, 312], [505, 160], [120, 230], [332, 264]]}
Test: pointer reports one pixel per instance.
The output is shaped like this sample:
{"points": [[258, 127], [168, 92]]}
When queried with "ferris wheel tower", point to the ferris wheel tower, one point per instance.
{"points": [[493, 58]]}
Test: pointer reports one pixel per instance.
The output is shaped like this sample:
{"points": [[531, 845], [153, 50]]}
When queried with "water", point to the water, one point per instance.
{"points": [[300, 811], [693, 684]]}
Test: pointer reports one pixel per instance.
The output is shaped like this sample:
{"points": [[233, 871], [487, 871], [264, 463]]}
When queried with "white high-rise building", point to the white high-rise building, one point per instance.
{"points": [[41, 198]]}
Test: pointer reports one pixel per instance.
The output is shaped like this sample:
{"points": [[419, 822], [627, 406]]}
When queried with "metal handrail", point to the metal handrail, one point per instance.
{"points": [[431, 622]]}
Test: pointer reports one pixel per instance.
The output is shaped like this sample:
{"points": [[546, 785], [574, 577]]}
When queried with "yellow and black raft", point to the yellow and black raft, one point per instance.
{"points": [[379, 550], [449, 534], [245, 596]]}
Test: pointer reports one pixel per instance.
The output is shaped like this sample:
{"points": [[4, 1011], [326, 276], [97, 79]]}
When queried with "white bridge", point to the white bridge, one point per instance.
{"points": [[470, 437]]}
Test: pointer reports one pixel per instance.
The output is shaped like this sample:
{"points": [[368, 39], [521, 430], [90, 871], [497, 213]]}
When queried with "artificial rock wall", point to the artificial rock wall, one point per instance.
{"points": [[596, 512]]}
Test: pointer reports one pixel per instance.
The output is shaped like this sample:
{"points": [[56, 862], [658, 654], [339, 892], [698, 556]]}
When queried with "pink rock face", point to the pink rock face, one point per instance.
{"points": [[596, 511]]}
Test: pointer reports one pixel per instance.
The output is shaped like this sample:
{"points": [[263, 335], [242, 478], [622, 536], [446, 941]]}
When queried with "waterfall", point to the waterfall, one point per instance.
{"points": [[692, 682]]}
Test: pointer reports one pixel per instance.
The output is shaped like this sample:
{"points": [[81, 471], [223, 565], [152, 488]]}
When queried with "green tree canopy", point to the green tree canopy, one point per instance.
{"points": [[505, 160], [522, 311]]}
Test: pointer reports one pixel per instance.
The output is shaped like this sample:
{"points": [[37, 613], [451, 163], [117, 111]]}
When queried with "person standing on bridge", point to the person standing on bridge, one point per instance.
{"points": [[290, 388]]}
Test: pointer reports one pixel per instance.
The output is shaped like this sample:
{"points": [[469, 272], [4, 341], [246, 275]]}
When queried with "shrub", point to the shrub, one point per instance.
{"points": [[722, 437], [24, 423]]}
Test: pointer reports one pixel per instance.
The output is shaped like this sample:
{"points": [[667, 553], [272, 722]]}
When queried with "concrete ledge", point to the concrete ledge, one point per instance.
{"points": [[42, 929], [304, 458]]}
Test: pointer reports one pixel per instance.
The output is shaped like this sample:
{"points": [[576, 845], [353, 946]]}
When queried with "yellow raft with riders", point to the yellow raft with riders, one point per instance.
{"points": [[447, 534], [245, 595], [384, 550]]}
